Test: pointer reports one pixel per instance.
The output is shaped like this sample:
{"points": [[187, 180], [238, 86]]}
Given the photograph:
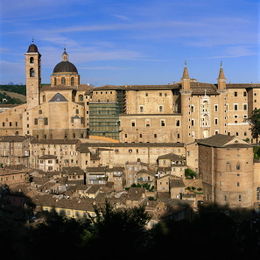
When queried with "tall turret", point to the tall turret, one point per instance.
{"points": [[33, 76], [221, 79], [185, 79]]}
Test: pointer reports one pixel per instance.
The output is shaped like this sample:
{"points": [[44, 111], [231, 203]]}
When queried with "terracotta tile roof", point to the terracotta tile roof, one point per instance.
{"points": [[139, 87], [15, 138], [55, 141], [72, 170], [83, 147], [176, 183], [171, 156], [48, 156], [243, 85], [218, 140]]}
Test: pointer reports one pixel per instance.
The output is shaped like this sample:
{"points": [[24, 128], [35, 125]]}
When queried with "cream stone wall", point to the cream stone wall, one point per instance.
{"points": [[256, 186], [227, 175], [237, 107], [153, 102], [67, 155], [163, 128], [105, 95], [56, 120], [11, 121]]}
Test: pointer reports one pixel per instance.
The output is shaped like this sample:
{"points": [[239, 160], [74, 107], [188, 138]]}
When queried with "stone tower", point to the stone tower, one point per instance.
{"points": [[33, 76], [185, 101]]}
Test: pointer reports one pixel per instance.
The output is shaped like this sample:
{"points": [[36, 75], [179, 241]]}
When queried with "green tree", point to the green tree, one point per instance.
{"points": [[254, 121]]}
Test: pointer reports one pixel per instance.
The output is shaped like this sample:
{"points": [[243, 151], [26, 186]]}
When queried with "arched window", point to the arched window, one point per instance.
{"points": [[228, 166], [31, 60], [238, 166], [32, 73], [72, 81], [80, 97], [62, 81], [178, 123], [55, 81]]}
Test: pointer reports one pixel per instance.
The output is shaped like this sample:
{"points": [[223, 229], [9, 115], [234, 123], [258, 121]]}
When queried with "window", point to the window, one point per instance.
{"points": [[258, 193], [147, 123], [238, 166], [80, 97], [160, 108], [238, 184], [244, 93], [133, 123], [216, 121], [32, 73], [178, 123], [162, 122], [125, 135], [160, 94], [235, 94], [72, 81], [62, 81], [140, 135], [141, 109], [77, 111], [146, 94], [245, 106], [10, 123], [40, 111], [235, 106], [130, 150], [31, 60], [178, 136], [228, 166], [239, 197], [45, 121], [155, 135], [35, 121], [216, 108], [192, 122]]}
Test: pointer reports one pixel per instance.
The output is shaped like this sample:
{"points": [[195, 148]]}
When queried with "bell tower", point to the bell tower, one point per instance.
{"points": [[33, 76]]}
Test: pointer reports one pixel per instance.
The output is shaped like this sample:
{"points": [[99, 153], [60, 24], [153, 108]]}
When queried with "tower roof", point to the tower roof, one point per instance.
{"points": [[185, 74], [32, 48], [221, 73]]}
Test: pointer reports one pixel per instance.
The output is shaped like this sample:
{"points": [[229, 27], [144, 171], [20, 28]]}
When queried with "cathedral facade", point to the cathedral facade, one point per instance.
{"points": [[172, 113]]}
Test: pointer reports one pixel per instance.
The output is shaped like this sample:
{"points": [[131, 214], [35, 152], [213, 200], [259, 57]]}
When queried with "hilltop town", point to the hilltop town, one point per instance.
{"points": [[73, 146]]}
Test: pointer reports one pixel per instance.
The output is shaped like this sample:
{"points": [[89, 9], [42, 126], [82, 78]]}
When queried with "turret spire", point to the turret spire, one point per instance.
{"points": [[221, 72], [185, 74], [65, 55]]}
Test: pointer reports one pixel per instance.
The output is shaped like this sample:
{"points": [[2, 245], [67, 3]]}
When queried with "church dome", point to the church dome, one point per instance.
{"points": [[65, 65]]}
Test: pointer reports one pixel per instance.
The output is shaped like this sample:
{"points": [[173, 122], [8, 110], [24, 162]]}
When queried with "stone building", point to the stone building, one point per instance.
{"points": [[14, 150], [228, 171], [172, 113]]}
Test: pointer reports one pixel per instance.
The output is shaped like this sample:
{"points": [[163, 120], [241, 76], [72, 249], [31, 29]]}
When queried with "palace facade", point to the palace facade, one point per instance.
{"points": [[180, 112]]}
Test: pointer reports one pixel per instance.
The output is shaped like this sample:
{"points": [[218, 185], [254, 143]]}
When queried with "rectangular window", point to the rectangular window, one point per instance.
{"points": [[45, 121], [35, 121], [147, 123], [235, 107], [244, 93], [141, 108], [245, 106], [235, 94], [216, 108], [163, 122], [133, 123], [216, 121], [160, 108]]}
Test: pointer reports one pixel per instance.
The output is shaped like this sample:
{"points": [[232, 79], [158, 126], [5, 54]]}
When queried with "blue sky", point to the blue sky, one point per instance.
{"points": [[133, 41]]}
